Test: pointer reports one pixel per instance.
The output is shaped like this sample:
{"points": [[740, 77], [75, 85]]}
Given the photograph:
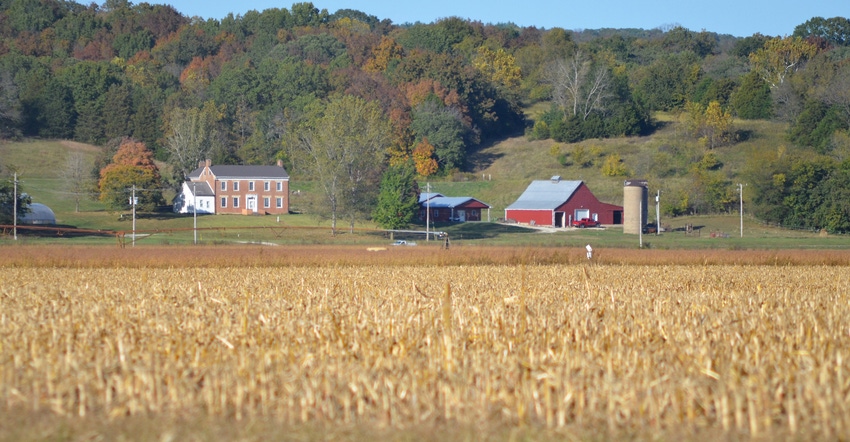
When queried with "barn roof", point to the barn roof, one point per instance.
{"points": [[545, 194], [232, 172], [449, 202]]}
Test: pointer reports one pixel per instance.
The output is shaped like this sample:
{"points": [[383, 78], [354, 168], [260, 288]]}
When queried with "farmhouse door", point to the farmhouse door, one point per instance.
{"points": [[251, 203]]}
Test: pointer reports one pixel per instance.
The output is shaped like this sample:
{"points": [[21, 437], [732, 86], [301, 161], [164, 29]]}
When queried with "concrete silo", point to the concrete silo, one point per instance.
{"points": [[635, 202]]}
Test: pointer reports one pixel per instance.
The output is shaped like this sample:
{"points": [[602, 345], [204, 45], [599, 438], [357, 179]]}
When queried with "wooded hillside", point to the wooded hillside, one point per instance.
{"points": [[252, 89]]}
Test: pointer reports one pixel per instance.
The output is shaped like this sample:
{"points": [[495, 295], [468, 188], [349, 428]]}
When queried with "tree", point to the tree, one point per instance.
{"points": [[444, 129], [77, 178], [752, 98], [423, 158], [711, 124], [578, 87], [499, 67], [835, 30], [7, 200], [399, 197], [131, 167], [10, 109], [780, 57], [340, 145], [613, 166], [192, 135]]}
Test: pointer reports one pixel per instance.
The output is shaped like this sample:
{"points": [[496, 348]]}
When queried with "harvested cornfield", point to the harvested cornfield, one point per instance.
{"points": [[578, 350]]}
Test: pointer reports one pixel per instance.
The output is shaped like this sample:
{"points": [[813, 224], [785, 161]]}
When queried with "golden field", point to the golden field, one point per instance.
{"points": [[467, 344]]}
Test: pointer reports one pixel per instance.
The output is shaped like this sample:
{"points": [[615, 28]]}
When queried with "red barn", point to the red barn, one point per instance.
{"points": [[557, 203]]}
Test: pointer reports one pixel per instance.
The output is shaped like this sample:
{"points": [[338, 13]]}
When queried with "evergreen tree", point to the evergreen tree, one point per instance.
{"points": [[398, 199]]}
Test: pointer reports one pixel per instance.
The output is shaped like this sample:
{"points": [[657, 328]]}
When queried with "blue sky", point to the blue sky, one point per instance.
{"points": [[736, 17]]}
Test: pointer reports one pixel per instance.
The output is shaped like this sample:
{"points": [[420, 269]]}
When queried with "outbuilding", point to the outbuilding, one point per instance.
{"points": [[556, 202], [38, 214], [451, 208]]}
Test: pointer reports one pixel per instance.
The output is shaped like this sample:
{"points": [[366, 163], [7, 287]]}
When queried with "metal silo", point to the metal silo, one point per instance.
{"points": [[635, 202]]}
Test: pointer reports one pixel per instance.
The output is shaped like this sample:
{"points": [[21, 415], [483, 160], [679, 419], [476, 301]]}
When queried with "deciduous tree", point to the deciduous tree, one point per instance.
{"points": [[780, 57], [578, 87], [131, 167], [78, 180], [340, 146], [192, 135]]}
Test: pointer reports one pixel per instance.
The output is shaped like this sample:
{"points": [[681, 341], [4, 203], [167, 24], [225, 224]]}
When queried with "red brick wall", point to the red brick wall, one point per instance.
{"points": [[259, 193]]}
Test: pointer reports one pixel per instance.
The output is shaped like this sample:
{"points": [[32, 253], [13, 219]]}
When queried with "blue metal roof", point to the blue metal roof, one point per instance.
{"points": [[426, 196], [545, 195], [450, 202]]}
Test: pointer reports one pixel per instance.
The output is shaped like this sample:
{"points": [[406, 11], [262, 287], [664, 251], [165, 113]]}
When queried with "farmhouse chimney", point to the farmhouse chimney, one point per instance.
{"points": [[279, 163], [208, 162]]}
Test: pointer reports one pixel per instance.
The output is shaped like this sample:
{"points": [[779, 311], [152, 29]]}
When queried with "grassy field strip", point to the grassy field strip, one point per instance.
{"points": [[635, 350]]}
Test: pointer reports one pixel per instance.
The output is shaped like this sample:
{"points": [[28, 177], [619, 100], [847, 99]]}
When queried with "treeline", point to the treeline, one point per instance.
{"points": [[243, 89]]}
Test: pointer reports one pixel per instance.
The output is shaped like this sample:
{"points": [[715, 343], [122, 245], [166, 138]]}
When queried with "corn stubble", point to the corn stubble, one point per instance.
{"points": [[636, 350]]}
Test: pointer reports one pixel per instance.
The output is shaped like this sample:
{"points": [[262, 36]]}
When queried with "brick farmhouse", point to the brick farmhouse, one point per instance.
{"points": [[229, 189]]}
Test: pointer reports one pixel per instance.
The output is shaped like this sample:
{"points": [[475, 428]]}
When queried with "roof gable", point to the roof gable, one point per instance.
{"points": [[450, 202], [201, 188], [236, 172], [424, 196], [545, 195]]}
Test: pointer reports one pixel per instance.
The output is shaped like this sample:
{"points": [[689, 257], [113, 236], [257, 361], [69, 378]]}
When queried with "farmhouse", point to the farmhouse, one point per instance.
{"points": [[451, 209], [246, 190], [556, 202]]}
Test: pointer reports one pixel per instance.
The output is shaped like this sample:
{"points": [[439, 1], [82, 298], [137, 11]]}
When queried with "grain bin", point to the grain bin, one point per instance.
{"points": [[634, 206]]}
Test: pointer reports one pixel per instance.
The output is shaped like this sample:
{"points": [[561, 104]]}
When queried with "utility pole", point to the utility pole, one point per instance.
{"points": [[15, 208], [133, 203], [195, 211], [658, 213], [741, 200], [427, 211], [640, 223]]}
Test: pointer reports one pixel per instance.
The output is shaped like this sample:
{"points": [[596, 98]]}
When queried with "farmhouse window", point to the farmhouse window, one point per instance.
{"points": [[279, 186], [267, 202], [235, 202], [224, 186], [251, 186], [267, 186], [223, 201], [236, 186], [279, 202]]}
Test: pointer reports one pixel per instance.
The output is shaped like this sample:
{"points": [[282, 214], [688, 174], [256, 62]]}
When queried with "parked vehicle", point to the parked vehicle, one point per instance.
{"points": [[401, 242], [585, 222]]}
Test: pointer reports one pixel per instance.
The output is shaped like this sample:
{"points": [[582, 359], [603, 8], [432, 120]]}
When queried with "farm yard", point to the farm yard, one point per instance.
{"points": [[337, 343]]}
